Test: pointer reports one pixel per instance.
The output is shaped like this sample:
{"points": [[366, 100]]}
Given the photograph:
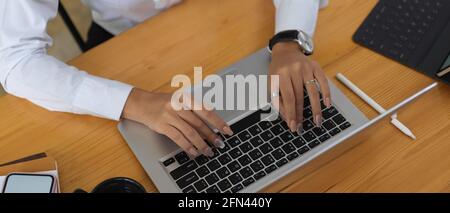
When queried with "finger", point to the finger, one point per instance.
{"points": [[323, 83], [287, 92], [275, 98], [313, 94], [297, 82], [211, 118], [176, 136], [202, 128], [192, 136]]}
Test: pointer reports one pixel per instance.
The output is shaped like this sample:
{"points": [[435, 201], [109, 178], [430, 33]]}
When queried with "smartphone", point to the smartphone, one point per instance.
{"points": [[28, 183]]}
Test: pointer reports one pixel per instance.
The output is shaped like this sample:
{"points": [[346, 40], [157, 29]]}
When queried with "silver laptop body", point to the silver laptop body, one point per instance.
{"points": [[151, 149]]}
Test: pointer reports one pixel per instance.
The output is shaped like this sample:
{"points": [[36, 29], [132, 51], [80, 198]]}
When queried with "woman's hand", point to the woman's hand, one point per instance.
{"points": [[185, 127], [295, 71]]}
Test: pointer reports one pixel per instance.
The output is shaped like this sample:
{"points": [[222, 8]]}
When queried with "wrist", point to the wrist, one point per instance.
{"points": [[132, 109], [286, 46]]}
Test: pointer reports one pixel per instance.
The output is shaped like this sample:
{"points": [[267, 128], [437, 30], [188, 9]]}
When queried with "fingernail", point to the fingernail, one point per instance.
{"points": [[208, 152], [228, 131], [328, 102], [293, 126], [219, 143], [300, 128], [193, 152], [318, 120]]}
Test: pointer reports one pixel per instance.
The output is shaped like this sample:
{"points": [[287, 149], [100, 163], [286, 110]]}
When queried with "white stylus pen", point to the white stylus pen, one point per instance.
{"points": [[374, 104]]}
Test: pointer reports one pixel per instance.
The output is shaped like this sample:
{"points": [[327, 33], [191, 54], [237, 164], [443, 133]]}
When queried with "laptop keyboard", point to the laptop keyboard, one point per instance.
{"points": [[396, 27], [258, 147]]}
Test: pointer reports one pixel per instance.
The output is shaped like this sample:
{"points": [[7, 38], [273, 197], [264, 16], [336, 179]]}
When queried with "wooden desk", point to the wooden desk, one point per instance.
{"points": [[214, 34]]}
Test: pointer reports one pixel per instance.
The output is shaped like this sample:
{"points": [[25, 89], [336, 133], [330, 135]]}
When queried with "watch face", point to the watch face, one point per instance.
{"points": [[306, 42]]}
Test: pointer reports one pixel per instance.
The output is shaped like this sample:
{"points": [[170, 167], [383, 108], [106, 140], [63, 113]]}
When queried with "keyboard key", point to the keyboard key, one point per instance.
{"points": [[223, 172], [313, 144], [248, 182], [270, 169], [338, 119], [276, 142], [278, 153], [213, 165], [224, 159], [267, 135], [286, 136], [345, 126], [235, 178], [319, 131], [307, 125], [307, 113], [265, 125], [288, 148], [212, 179], [224, 185], [187, 180], [182, 157], [303, 150], [328, 113], [237, 188], [184, 169], [200, 185], [246, 172], [259, 175], [267, 160], [335, 131], [245, 160], [213, 189], [234, 141], [324, 137], [202, 171], [299, 142], [266, 148], [255, 130], [234, 166], [235, 153], [276, 121], [201, 160], [329, 125], [169, 161], [245, 135], [216, 153], [282, 162], [246, 122], [284, 125], [276, 130], [225, 149], [309, 136], [256, 141], [257, 166], [255, 154], [246, 147], [189, 189], [292, 156]]}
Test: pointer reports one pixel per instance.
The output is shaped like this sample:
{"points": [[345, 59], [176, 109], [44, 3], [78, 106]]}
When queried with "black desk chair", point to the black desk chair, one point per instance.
{"points": [[72, 28]]}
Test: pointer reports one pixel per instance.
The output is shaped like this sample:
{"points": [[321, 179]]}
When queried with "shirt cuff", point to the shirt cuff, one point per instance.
{"points": [[295, 15], [102, 97]]}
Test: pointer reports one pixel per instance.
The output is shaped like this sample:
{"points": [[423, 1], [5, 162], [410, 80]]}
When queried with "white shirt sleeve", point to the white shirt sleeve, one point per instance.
{"points": [[27, 71], [297, 14]]}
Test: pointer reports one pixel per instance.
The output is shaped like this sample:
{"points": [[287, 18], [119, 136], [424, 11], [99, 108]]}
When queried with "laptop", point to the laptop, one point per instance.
{"points": [[262, 149]]}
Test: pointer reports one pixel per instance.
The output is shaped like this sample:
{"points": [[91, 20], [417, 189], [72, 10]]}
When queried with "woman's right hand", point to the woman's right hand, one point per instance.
{"points": [[187, 128]]}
